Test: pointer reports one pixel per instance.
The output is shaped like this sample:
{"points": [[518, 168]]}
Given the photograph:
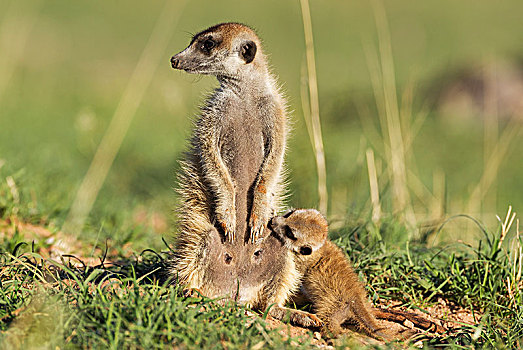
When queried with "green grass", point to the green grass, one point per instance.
{"points": [[129, 305], [115, 308], [57, 105], [474, 278]]}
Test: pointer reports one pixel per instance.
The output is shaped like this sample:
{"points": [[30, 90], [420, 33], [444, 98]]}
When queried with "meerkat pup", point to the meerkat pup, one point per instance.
{"points": [[230, 182], [328, 281]]}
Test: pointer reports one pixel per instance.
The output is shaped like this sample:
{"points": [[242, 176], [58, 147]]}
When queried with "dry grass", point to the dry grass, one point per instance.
{"points": [[399, 125], [373, 183], [311, 110], [494, 157], [393, 122], [104, 157]]}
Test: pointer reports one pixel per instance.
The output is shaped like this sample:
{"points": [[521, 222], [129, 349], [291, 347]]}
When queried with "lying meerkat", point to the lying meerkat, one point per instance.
{"points": [[231, 177], [328, 281]]}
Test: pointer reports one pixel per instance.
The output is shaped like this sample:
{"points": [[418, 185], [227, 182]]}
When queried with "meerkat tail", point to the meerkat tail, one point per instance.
{"points": [[360, 313]]}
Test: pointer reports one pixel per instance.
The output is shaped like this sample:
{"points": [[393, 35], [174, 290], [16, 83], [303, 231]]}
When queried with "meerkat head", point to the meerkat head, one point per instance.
{"points": [[303, 230], [227, 50]]}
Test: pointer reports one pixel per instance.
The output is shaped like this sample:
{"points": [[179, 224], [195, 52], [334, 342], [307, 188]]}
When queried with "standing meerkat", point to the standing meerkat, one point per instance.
{"points": [[328, 281], [239, 139], [231, 177]]}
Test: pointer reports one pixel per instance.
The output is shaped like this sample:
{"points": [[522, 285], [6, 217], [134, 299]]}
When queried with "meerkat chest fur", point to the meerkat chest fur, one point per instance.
{"points": [[241, 118], [244, 128]]}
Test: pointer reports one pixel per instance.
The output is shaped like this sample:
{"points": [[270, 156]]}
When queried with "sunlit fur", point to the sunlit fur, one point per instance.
{"points": [[231, 177], [328, 281]]}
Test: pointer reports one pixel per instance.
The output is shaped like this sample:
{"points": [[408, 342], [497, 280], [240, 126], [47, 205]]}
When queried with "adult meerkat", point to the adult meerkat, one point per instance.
{"points": [[239, 139], [328, 281], [231, 177]]}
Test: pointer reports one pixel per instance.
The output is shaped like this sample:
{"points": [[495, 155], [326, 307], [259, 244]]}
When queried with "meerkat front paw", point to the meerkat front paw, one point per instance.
{"points": [[296, 317], [259, 219], [306, 319], [226, 219], [191, 293]]}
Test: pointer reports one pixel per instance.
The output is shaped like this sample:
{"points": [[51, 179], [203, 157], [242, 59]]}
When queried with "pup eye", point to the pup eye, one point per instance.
{"points": [[289, 234], [208, 45], [258, 252], [305, 250]]}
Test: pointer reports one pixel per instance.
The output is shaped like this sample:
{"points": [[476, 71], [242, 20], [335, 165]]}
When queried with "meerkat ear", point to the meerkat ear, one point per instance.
{"points": [[289, 213], [248, 51]]}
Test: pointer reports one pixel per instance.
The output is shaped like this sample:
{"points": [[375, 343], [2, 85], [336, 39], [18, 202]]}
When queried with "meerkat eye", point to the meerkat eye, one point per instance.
{"points": [[305, 250], [208, 45], [258, 252], [289, 234]]}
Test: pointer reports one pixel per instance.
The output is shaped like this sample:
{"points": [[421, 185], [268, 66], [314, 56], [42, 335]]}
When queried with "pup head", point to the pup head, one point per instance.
{"points": [[303, 230]]}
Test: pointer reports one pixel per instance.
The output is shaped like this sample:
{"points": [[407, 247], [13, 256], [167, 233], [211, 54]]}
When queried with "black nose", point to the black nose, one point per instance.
{"points": [[175, 62]]}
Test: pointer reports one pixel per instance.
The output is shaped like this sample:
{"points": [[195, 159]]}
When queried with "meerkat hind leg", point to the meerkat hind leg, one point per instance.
{"points": [[296, 317]]}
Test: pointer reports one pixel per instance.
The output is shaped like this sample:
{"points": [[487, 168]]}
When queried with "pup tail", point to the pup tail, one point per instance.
{"points": [[357, 312], [361, 313]]}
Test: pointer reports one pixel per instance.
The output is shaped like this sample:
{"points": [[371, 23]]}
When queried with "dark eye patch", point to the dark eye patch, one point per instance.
{"points": [[258, 252], [289, 234], [208, 45], [305, 250]]}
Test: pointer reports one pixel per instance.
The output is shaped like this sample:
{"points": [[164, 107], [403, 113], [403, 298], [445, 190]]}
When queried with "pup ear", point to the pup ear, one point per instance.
{"points": [[289, 213], [248, 51]]}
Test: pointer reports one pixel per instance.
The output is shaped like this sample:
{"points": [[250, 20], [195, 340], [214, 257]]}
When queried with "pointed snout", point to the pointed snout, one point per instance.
{"points": [[184, 60], [175, 62], [180, 60]]}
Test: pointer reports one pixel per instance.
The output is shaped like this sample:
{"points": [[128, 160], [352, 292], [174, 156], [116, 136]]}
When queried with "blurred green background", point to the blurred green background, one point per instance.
{"points": [[65, 64]]}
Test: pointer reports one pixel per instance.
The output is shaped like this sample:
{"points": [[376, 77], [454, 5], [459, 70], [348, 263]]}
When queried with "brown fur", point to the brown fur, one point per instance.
{"points": [[329, 281], [231, 183], [239, 138]]}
